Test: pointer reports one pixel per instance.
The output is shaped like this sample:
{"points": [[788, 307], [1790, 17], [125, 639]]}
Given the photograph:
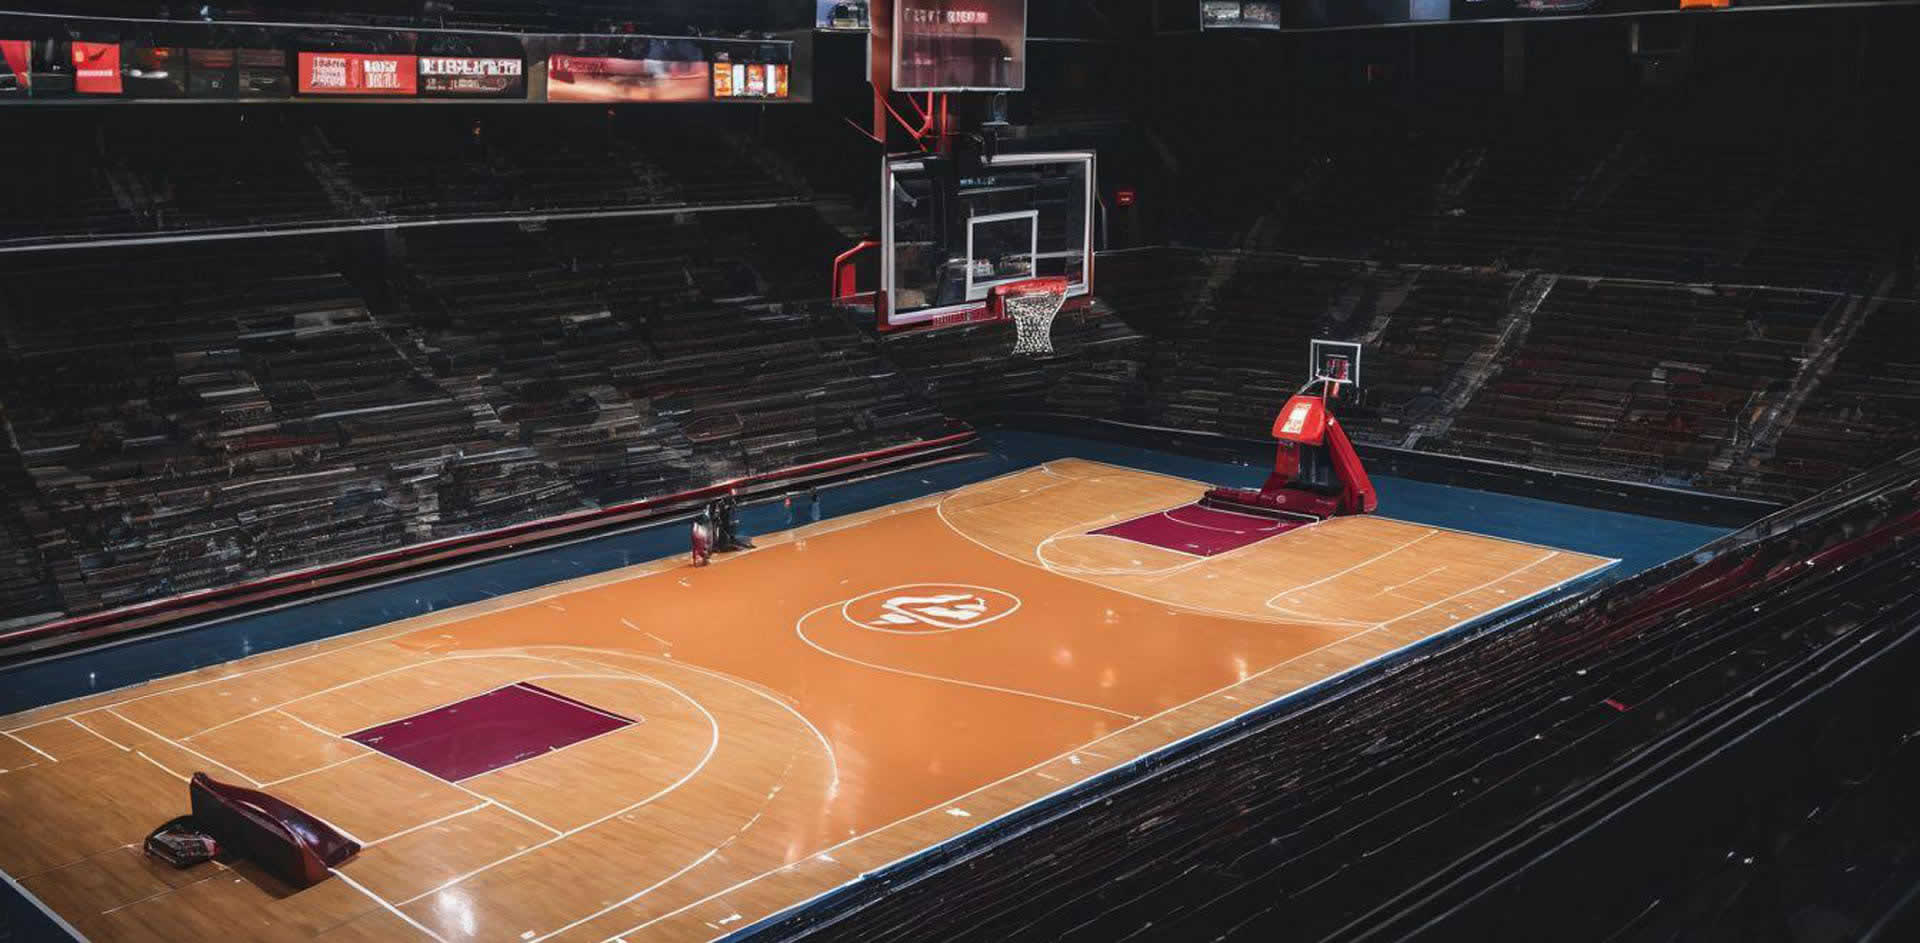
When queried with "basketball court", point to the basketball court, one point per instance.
{"points": [[667, 752]]}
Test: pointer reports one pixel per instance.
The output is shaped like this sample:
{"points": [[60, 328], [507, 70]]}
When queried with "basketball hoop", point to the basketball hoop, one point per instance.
{"points": [[1031, 304]]}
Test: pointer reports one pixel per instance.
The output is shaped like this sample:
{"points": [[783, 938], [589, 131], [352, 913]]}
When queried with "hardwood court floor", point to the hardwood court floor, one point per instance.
{"points": [[846, 695]]}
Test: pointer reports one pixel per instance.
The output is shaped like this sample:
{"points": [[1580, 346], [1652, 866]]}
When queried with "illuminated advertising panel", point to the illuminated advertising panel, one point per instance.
{"points": [[745, 80], [606, 79], [96, 68], [16, 65], [960, 45], [488, 76], [355, 73]]}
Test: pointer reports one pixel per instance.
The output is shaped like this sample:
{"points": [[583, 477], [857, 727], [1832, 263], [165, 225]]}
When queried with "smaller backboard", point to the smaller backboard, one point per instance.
{"points": [[1334, 360]]}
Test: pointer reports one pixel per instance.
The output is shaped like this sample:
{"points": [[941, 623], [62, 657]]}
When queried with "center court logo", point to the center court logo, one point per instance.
{"points": [[929, 607]]}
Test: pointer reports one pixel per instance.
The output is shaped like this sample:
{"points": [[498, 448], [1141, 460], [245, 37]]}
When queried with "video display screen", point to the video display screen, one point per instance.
{"points": [[262, 73], [748, 80], [607, 79], [841, 14], [356, 73], [473, 76], [96, 68], [156, 71], [960, 45]]}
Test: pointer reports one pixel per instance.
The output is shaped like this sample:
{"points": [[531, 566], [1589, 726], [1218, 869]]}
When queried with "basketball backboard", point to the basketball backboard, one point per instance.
{"points": [[949, 236], [1334, 360]]}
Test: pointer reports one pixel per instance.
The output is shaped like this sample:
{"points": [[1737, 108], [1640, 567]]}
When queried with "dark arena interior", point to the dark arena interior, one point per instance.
{"points": [[1356, 471]]}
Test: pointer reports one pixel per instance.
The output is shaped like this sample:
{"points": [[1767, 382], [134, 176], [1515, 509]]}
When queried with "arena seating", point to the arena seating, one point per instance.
{"points": [[1633, 380], [1440, 321], [1866, 408], [259, 416], [209, 169]]}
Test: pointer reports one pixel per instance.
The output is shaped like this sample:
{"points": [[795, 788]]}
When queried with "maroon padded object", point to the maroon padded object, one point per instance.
{"points": [[292, 845]]}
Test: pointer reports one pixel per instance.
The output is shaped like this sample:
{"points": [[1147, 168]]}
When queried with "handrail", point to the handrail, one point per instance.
{"points": [[841, 262]]}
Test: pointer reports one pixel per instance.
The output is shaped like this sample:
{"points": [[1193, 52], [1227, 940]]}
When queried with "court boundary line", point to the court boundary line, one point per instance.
{"points": [[70, 718], [11, 736], [1485, 622], [39, 905], [1340, 573]]}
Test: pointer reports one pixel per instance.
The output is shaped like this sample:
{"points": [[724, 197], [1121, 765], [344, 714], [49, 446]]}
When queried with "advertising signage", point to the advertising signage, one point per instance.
{"points": [[608, 79], [16, 65], [193, 61], [358, 73], [477, 76], [96, 68]]}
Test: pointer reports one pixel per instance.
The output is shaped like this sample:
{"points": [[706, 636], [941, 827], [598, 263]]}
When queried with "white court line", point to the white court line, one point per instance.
{"points": [[1390, 589], [1336, 575], [570, 702], [318, 769], [175, 743], [29, 746], [443, 659], [417, 925], [181, 776], [547, 752], [316, 728], [1507, 576], [58, 920], [833, 786], [713, 744], [71, 719], [1168, 514], [220, 868], [799, 630], [703, 859], [415, 828]]}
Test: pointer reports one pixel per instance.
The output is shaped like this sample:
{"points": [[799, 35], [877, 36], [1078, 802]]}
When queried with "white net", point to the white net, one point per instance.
{"points": [[1032, 306]]}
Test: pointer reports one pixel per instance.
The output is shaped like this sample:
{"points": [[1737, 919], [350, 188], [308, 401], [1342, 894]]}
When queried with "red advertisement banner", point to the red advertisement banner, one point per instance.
{"points": [[96, 68], [18, 56], [357, 73], [602, 79]]}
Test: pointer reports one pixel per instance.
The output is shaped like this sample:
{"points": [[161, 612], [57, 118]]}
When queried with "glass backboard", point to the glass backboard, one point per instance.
{"points": [[947, 239]]}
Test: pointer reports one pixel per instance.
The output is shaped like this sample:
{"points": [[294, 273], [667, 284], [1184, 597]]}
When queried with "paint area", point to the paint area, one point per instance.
{"points": [[497, 729]]}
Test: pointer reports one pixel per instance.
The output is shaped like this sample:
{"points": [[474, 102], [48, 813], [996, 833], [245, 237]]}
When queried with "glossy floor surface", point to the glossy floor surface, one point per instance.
{"points": [[846, 695]]}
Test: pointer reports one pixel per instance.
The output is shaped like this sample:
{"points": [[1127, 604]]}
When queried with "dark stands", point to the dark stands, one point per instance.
{"points": [[189, 417]]}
